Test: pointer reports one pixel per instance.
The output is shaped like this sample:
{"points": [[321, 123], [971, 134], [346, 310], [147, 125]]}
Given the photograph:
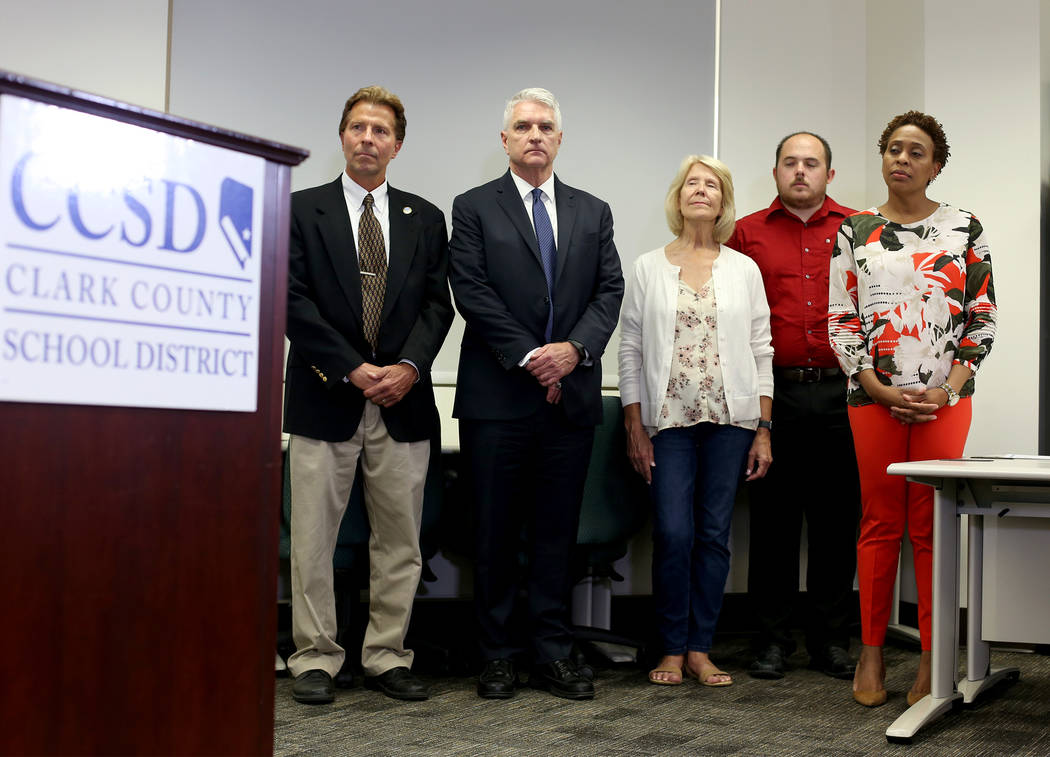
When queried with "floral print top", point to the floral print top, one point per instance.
{"points": [[910, 300], [694, 392]]}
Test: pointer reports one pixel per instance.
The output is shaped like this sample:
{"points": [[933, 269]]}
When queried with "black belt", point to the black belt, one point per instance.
{"points": [[806, 375]]}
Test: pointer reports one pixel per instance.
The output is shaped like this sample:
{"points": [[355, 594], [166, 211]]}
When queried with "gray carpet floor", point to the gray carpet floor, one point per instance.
{"points": [[806, 713]]}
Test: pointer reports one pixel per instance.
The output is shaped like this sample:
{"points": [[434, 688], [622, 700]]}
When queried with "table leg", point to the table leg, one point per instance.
{"points": [[942, 696], [979, 674]]}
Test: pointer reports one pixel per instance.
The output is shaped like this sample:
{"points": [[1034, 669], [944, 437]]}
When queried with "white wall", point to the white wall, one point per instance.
{"points": [[117, 48], [633, 103], [789, 67], [896, 66], [983, 84]]}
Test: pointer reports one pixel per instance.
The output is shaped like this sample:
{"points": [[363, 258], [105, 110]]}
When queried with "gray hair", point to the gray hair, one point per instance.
{"points": [[535, 95]]}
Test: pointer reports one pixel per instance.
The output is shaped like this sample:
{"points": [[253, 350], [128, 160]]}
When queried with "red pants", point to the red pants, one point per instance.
{"points": [[888, 503]]}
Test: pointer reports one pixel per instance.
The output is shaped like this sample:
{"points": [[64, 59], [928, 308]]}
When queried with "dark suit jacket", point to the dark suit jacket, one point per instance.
{"points": [[499, 287], [324, 314]]}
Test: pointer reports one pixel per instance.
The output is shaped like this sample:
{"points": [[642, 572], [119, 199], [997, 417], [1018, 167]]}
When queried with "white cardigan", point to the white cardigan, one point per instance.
{"points": [[647, 323]]}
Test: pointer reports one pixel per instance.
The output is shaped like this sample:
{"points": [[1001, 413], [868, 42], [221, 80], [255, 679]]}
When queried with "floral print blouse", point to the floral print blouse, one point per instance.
{"points": [[694, 391], [910, 300]]}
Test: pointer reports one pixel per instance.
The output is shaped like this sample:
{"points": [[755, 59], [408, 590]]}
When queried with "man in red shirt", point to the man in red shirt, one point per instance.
{"points": [[814, 472]]}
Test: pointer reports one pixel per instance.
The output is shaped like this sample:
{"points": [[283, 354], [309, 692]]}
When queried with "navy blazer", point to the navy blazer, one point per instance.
{"points": [[500, 290], [325, 324]]}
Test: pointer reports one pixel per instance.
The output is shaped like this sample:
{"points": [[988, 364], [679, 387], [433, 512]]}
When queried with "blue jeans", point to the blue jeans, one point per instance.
{"points": [[694, 486]]}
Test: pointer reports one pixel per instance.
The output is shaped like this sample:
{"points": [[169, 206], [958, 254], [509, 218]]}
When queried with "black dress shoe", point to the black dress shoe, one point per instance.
{"points": [[497, 680], [579, 659], [768, 664], [562, 679], [313, 687], [398, 683], [835, 662]]}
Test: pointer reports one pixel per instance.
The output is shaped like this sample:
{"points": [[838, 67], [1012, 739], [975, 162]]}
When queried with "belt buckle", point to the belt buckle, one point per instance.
{"points": [[810, 375]]}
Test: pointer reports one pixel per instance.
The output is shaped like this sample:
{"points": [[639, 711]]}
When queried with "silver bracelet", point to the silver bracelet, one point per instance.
{"points": [[953, 396]]}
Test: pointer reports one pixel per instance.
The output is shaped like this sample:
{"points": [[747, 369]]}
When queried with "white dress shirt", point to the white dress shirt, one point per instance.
{"points": [[547, 187], [354, 194]]}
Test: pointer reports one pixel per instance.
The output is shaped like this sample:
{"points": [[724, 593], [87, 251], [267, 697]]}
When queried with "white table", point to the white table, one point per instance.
{"points": [[977, 486]]}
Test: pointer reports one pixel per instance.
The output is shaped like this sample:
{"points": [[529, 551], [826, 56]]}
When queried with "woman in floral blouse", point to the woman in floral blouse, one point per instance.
{"points": [[911, 317], [695, 375]]}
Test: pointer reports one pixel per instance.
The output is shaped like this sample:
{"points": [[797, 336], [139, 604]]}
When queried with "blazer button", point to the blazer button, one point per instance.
{"points": [[546, 300]]}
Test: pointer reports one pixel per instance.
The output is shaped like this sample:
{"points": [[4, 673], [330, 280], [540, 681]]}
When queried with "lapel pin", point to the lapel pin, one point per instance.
{"points": [[406, 210]]}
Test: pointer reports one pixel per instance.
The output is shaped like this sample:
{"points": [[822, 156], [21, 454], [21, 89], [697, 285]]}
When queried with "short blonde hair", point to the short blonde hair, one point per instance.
{"points": [[673, 207]]}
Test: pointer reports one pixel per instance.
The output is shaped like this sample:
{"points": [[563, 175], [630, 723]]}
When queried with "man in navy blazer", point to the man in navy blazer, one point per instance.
{"points": [[360, 389], [537, 278]]}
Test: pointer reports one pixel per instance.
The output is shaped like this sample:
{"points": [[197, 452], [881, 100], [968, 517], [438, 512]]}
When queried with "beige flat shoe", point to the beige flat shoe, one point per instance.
{"points": [[666, 669], [870, 698], [705, 675]]}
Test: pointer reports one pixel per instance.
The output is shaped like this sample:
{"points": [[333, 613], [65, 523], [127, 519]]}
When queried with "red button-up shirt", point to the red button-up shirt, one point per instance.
{"points": [[794, 258]]}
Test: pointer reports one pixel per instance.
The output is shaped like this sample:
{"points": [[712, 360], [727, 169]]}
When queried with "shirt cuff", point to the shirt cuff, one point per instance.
{"points": [[528, 356], [419, 376]]}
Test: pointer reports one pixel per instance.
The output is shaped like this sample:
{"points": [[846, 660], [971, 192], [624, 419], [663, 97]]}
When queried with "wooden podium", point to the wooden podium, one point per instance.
{"points": [[139, 547]]}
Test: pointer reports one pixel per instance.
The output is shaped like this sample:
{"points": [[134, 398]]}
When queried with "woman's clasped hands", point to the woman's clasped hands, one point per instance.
{"points": [[911, 406]]}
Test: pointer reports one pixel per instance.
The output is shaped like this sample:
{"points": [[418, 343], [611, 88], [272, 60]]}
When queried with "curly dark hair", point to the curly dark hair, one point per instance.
{"points": [[928, 124]]}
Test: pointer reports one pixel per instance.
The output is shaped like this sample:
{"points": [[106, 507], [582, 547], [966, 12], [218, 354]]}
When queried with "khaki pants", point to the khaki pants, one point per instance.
{"points": [[322, 474]]}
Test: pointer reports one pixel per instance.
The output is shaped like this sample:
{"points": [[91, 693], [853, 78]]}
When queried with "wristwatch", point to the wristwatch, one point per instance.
{"points": [[767, 425], [953, 396]]}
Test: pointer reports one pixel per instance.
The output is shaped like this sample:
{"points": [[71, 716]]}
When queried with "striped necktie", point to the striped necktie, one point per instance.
{"points": [[372, 254]]}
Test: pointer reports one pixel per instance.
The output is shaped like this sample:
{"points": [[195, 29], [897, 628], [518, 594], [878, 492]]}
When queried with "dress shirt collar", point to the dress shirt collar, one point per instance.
{"points": [[827, 207], [525, 189], [355, 195]]}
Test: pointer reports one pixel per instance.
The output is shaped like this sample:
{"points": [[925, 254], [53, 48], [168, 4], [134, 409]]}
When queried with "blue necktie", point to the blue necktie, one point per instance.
{"points": [[548, 255]]}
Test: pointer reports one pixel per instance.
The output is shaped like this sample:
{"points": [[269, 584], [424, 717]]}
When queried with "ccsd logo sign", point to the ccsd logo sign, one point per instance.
{"points": [[235, 218], [131, 213], [130, 264]]}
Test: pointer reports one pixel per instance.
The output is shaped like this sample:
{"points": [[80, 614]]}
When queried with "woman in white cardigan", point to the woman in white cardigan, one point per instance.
{"points": [[696, 382]]}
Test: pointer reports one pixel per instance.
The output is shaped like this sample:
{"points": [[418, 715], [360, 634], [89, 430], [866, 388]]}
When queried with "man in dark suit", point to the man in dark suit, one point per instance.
{"points": [[364, 327], [536, 275]]}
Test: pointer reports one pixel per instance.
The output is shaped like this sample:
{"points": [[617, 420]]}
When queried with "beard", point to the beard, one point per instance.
{"points": [[794, 201]]}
